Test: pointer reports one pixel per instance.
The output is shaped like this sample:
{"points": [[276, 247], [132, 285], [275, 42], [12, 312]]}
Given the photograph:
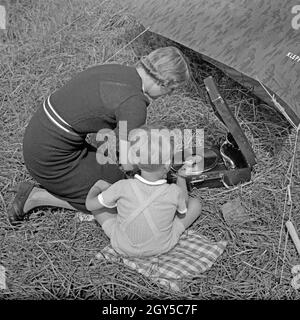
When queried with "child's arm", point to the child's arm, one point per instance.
{"points": [[92, 203], [183, 197], [181, 182], [125, 163]]}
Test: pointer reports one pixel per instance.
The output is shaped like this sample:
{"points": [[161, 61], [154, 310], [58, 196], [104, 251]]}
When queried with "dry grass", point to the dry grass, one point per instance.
{"points": [[51, 256]]}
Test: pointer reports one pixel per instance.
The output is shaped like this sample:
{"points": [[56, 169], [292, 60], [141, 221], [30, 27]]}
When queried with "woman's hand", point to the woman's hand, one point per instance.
{"points": [[127, 167], [192, 165], [185, 169]]}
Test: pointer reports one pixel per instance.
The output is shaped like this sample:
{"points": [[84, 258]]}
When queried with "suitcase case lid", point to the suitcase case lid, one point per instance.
{"points": [[224, 113]]}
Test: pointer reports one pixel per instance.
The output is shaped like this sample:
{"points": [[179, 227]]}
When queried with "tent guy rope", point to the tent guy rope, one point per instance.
{"points": [[130, 42], [288, 202]]}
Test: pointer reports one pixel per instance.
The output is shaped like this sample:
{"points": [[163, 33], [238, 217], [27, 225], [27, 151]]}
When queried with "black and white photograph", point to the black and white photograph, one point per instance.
{"points": [[149, 151]]}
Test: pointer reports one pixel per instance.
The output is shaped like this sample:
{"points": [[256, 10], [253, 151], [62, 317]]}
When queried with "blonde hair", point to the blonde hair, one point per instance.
{"points": [[167, 66], [155, 140]]}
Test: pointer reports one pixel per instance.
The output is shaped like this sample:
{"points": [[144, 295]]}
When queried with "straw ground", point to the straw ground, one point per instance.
{"points": [[51, 255]]}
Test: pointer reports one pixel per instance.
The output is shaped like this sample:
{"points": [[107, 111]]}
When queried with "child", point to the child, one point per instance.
{"points": [[151, 214], [55, 150]]}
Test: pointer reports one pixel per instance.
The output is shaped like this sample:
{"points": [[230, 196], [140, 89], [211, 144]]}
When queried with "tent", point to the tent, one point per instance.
{"points": [[254, 42]]}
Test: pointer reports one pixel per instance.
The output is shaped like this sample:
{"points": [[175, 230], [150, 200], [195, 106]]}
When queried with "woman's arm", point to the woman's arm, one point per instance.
{"points": [[92, 203], [131, 114]]}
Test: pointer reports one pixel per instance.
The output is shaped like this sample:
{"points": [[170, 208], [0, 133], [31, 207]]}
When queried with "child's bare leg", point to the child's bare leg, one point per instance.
{"points": [[193, 212], [104, 214], [40, 197]]}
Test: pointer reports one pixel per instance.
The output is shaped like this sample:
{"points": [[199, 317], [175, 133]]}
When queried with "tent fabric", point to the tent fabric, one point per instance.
{"points": [[254, 42]]}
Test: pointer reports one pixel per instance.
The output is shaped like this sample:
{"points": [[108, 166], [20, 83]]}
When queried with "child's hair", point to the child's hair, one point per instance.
{"points": [[167, 66], [153, 151]]}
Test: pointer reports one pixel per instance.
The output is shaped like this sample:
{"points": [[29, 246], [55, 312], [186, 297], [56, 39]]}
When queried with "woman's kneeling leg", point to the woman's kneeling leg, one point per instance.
{"points": [[39, 197]]}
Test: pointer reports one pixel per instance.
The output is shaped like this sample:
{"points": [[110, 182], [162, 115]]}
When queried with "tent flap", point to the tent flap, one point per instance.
{"points": [[248, 40]]}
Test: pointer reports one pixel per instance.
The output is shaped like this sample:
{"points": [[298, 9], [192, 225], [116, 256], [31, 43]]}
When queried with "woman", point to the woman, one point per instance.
{"points": [[54, 147]]}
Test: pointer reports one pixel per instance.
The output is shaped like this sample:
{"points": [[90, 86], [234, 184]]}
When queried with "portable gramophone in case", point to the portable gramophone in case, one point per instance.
{"points": [[226, 165]]}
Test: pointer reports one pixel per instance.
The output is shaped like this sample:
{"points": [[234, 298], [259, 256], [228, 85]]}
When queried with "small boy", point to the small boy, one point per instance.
{"points": [[151, 214]]}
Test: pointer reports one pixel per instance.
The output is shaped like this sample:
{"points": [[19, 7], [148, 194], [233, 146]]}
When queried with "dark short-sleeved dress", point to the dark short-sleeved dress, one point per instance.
{"points": [[97, 98]]}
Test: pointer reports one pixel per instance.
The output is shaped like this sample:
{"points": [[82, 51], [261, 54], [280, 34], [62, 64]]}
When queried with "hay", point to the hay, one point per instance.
{"points": [[51, 256]]}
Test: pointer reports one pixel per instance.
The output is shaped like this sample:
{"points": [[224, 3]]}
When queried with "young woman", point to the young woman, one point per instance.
{"points": [[54, 147]]}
